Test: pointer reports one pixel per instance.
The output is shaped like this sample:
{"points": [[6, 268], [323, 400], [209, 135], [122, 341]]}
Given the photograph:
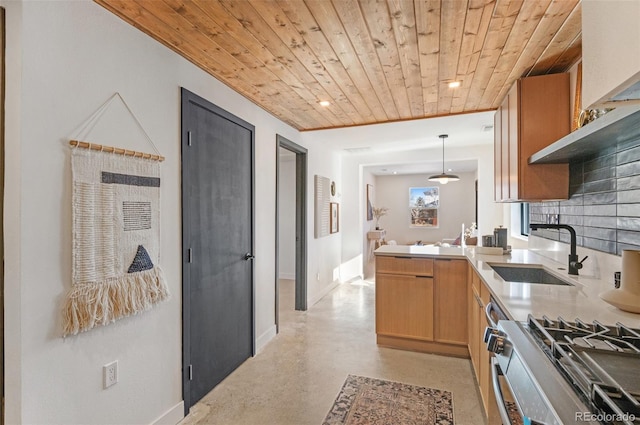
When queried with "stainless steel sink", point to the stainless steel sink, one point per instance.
{"points": [[527, 273]]}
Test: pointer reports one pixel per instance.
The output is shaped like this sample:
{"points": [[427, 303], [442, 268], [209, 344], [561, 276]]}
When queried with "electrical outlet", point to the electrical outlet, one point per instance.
{"points": [[110, 374]]}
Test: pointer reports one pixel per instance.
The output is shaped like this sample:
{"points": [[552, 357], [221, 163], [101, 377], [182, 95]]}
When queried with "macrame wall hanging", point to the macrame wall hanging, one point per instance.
{"points": [[116, 232]]}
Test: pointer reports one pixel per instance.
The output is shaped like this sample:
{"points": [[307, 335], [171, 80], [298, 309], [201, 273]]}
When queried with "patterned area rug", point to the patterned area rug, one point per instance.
{"points": [[376, 402]]}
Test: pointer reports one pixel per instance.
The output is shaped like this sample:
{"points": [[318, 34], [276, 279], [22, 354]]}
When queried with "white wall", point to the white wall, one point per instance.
{"points": [[287, 218], [457, 206], [63, 60], [610, 45], [323, 253]]}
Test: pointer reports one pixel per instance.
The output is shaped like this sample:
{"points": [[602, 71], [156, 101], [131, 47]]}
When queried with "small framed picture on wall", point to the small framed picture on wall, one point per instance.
{"points": [[369, 202], [334, 224]]}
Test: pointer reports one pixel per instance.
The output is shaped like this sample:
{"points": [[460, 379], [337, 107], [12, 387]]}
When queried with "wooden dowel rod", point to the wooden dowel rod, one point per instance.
{"points": [[126, 152]]}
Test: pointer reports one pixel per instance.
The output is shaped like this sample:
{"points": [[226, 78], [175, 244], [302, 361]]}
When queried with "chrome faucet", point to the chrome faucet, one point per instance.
{"points": [[574, 264]]}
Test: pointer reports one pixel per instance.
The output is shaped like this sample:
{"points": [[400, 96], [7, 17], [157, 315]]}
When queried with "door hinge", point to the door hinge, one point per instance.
{"points": [[189, 138], [190, 372], [190, 256]]}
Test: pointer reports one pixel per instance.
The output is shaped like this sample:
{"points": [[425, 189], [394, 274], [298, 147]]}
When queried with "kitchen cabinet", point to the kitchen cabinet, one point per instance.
{"points": [[421, 304], [535, 113], [450, 297], [478, 297], [404, 306]]}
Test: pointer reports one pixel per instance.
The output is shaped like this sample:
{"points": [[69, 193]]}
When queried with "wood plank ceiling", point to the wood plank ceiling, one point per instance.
{"points": [[375, 61]]}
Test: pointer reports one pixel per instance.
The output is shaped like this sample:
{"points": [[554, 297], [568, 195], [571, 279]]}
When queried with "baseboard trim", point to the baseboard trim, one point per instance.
{"points": [[265, 338], [287, 276], [171, 416], [322, 294], [455, 350]]}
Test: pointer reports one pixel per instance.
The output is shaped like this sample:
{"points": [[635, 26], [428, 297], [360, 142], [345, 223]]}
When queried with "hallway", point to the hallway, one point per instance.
{"points": [[296, 377]]}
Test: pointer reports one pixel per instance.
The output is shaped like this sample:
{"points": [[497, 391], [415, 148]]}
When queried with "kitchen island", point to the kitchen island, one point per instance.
{"points": [[421, 300], [423, 303], [517, 299]]}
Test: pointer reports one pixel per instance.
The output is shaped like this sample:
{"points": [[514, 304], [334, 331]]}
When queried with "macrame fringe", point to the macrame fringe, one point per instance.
{"points": [[95, 304]]}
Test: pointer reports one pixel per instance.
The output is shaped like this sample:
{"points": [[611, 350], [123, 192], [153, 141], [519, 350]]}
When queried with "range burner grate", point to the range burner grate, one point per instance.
{"points": [[591, 335], [602, 362]]}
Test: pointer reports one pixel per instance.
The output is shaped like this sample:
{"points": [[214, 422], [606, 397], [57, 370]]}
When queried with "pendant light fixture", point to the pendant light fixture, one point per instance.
{"points": [[443, 178]]}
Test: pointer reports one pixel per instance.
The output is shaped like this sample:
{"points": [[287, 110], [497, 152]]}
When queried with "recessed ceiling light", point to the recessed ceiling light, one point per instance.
{"points": [[454, 84], [358, 150], [395, 172], [450, 169], [324, 103]]}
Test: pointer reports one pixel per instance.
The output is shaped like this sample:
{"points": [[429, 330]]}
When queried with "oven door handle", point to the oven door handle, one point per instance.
{"points": [[487, 313], [502, 408]]}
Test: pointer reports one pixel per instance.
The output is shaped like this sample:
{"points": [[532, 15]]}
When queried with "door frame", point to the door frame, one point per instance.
{"points": [[2, 141], [301, 224], [188, 97]]}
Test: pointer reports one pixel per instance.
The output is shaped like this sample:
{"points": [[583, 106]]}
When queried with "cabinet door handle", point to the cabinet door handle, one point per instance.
{"points": [[478, 300]]}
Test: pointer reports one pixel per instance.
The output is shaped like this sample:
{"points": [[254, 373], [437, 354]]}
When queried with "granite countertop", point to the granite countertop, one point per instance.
{"points": [[519, 299]]}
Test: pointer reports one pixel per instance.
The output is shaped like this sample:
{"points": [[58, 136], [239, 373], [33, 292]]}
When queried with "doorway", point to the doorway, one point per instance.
{"points": [[218, 169], [299, 232]]}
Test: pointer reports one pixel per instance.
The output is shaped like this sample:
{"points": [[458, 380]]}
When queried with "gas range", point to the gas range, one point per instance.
{"points": [[562, 372]]}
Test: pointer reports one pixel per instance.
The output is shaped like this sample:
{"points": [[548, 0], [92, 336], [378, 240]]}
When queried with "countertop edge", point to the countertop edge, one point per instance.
{"points": [[518, 300]]}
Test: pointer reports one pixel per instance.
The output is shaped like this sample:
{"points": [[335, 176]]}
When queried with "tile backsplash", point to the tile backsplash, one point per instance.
{"points": [[604, 203]]}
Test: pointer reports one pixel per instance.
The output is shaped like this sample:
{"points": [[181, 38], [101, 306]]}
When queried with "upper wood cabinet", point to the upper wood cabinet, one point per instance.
{"points": [[535, 113]]}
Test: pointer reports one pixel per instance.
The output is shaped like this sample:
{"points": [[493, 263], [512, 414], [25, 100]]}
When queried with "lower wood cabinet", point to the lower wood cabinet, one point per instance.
{"points": [[404, 306], [421, 304], [450, 300], [478, 296]]}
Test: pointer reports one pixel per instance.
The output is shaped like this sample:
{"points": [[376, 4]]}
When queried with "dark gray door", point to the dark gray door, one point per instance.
{"points": [[217, 202]]}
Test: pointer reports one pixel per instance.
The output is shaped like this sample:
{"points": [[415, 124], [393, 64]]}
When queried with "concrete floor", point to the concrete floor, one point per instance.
{"points": [[296, 377]]}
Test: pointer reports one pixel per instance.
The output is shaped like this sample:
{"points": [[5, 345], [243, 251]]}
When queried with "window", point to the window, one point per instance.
{"points": [[524, 219]]}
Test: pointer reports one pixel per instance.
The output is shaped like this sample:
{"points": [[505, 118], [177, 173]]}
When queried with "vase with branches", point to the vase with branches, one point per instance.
{"points": [[379, 212]]}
